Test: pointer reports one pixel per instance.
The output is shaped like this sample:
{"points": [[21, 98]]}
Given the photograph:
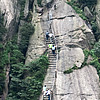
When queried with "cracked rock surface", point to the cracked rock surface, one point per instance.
{"points": [[73, 36]]}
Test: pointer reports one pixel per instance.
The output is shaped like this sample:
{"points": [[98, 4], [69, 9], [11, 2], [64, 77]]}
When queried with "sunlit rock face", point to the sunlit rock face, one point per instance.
{"points": [[73, 36], [37, 43], [9, 9], [98, 13]]}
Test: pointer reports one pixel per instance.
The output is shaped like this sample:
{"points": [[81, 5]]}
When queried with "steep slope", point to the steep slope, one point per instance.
{"points": [[98, 13], [37, 44], [73, 37]]}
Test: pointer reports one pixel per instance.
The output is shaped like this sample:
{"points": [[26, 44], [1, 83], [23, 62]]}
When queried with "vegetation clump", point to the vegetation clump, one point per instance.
{"points": [[26, 31], [25, 80], [70, 70], [3, 55], [22, 5], [39, 3], [77, 8]]}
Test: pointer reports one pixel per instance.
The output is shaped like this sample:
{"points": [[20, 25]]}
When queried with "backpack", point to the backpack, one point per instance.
{"points": [[53, 48]]}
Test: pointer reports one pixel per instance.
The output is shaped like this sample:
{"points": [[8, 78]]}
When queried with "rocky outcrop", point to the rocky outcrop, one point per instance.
{"points": [[46, 2], [73, 36], [26, 9], [9, 10], [88, 13], [98, 13], [11, 13], [37, 44]]}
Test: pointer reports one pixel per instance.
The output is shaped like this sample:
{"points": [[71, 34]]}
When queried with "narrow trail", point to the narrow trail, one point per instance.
{"points": [[50, 77], [81, 84]]}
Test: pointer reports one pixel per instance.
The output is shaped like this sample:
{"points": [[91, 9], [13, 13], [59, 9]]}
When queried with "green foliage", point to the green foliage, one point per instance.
{"points": [[97, 49], [22, 4], [2, 27], [26, 30], [4, 60], [29, 17], [39, 3], [88, 2], [95, 62], [70, 70], [3, 55], [86, 54], [94, 26], [26, 81], [77, 8]]}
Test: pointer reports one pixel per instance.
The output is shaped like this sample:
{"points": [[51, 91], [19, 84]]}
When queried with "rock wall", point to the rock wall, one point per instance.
{"points": [[98, 13], [37, 43], [9, 9], [11, 13], [73, 36]]}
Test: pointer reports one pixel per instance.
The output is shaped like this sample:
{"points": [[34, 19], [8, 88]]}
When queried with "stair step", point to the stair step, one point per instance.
{"points": [[52, 66], [52, 61], [50, 70], [52, 57], [52, 54]]}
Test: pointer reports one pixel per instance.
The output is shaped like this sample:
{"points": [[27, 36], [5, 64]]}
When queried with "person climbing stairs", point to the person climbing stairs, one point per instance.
{"points": [[50, 77], [49, 80]]}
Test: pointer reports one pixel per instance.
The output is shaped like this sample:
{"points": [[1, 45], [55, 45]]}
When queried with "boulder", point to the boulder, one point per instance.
{"points": [[87, 12]]}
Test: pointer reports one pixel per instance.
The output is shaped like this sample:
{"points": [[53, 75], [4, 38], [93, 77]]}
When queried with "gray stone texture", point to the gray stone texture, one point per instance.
{"points": [[73, 36]]}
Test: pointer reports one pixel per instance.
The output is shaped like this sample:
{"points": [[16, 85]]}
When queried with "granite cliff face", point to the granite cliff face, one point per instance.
{"points": [[73, 36], [11, 13], [98, 13], [9, 10]]}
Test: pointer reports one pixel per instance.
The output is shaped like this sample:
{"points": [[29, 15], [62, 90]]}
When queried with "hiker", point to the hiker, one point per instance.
{"points": [[50, 15], [53, 49], [50, 46], [51, 37], [55, 7], [44, 90], [47, 35], [48, 93]]}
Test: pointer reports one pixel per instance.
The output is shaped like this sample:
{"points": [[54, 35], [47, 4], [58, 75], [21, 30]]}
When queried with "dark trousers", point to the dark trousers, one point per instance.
{"points": [[47, 36], [49, 97], [53, 51]]}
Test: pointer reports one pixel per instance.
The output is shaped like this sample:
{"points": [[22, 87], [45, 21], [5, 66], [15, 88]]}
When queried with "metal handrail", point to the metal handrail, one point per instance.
{"points": [[56, 58], [54, 82]]}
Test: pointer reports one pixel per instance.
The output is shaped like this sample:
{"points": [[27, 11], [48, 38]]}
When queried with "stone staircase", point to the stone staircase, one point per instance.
{"points": [[50, 77]]}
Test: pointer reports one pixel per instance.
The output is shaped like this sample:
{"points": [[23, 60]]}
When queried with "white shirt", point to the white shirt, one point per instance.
{"points": [[50, 35], [48, 92], [44, 88]]}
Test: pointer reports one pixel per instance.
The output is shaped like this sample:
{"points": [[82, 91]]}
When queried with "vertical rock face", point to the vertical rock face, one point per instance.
{"points": [[37, 45], [72, 37], [9, 10], [11, 13], [98, 13]]}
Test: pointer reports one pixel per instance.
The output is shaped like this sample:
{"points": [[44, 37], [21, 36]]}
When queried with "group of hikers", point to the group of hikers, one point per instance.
{"points": [[46, 92], [51, 45]]}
